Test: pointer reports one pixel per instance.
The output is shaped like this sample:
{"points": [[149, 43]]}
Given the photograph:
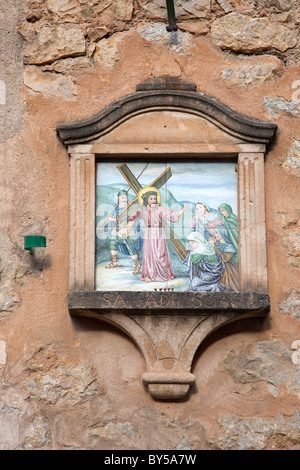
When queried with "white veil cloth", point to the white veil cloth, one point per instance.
{"points": [[204, 247]]}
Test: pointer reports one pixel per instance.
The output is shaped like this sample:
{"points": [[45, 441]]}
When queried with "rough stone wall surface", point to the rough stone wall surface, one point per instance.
{"points": [[74, 384]]}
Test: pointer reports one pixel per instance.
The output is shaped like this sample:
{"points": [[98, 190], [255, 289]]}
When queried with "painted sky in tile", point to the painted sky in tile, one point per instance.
{"points": [[211, 183]]}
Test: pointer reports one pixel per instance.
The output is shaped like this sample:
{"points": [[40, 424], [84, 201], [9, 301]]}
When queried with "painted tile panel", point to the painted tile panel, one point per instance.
{"points": [[166, 226]]}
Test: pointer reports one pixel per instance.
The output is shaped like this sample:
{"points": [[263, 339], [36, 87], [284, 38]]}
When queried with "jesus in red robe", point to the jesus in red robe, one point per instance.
{"points": [[156, 264]]}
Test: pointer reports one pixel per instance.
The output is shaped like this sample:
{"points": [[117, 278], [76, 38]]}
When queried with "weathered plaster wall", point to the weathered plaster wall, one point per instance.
{"points": [[76, 384]]}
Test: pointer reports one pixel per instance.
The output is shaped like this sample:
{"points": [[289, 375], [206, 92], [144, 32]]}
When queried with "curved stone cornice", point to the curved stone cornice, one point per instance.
{"points": [[166, 93]]}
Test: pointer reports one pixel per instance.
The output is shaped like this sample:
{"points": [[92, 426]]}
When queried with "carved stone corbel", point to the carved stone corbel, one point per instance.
{"points": [[168, 327]]}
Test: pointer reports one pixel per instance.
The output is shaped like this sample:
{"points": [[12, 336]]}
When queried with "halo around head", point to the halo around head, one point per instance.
{"points": [[146, 190]]}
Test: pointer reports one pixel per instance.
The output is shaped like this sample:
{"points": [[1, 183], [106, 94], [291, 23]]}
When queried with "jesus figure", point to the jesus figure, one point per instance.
{"points": [[156, 264]]}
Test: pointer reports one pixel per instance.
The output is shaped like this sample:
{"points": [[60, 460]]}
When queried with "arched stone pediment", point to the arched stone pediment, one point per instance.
{"points": [[169, 107]]}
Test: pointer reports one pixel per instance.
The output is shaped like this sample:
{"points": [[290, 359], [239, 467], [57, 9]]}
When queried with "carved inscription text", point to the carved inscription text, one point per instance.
{"points": [[157, 302]]}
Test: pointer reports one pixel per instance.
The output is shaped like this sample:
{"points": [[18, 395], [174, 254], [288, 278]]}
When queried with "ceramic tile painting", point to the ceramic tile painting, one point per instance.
{"points": [[166, 225]]}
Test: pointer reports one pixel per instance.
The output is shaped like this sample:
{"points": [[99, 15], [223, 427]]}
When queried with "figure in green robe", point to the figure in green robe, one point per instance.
{"points": [[230, 222]]}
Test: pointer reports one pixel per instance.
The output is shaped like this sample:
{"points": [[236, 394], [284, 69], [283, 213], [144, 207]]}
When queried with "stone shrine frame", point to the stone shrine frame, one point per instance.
{"points": [[165, 118]]}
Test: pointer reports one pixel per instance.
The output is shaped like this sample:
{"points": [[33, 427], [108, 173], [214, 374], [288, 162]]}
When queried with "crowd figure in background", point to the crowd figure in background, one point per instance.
{"points": [[212, 261]]}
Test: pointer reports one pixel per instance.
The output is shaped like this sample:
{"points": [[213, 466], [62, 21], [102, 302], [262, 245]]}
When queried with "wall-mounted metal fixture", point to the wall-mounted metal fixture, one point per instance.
{"points": [[34, 241], [172, 26]]}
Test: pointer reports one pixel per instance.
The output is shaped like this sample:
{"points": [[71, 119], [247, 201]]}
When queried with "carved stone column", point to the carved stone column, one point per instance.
{"points": [[82, 222], [252, 228]]}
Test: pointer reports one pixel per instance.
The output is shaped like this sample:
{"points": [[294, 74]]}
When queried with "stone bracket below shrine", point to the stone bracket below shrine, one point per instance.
{"points": [[168, 327]]}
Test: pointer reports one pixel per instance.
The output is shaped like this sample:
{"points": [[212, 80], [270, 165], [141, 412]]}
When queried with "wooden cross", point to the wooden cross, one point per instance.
{"points": [[134, 204]]}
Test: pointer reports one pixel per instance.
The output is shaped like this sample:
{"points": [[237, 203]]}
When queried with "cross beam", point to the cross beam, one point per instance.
{"points": [[133, 205], [136, 186], [172, 26]]}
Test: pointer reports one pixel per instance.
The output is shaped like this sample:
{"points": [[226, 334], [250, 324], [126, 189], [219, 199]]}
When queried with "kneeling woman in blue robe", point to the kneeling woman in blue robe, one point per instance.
{"points": [[203, 265]]}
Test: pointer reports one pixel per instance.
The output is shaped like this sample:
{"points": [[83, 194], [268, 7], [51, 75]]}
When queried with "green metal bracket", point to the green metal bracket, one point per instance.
{"points": [[34, 241], [172, 26]]}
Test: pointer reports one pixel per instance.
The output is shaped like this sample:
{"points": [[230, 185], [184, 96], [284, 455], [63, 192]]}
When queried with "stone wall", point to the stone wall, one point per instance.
{"points": [[76, 384]]}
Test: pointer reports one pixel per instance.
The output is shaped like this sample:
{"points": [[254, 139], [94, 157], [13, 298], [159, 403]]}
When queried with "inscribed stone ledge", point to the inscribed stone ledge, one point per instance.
{"points": [[182, 303]]}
